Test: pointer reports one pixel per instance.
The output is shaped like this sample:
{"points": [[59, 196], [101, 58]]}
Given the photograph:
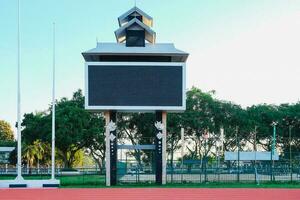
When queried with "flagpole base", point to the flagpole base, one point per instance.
{"points": [[19, 178]]}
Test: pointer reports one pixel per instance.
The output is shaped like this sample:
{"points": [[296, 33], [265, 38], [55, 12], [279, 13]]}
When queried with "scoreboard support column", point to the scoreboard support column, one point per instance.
{"points": [[160, 146], [164, 149], [107, 149], [111, 148]]}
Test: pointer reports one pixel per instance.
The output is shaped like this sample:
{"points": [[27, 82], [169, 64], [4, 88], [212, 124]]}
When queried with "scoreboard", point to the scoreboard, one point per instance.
{"points": [[135, 86]]}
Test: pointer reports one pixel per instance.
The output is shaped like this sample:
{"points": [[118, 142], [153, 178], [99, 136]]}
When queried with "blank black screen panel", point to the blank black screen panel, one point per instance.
{"points": [[135, 85]]}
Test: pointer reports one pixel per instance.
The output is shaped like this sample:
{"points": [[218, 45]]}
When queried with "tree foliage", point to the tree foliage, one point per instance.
{"points": [[76, 128], [248, 128], [6, 132]]}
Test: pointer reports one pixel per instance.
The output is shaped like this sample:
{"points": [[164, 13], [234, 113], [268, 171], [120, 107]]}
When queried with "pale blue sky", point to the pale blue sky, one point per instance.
{"points": [[246, 50]]}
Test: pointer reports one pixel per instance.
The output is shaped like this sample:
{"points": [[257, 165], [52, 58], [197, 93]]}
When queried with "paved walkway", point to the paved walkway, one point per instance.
{"points": [[149, 194]]}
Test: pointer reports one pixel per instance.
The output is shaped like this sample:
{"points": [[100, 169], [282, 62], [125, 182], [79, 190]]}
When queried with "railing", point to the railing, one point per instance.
{"points": [[204, 172], [129, 170]]}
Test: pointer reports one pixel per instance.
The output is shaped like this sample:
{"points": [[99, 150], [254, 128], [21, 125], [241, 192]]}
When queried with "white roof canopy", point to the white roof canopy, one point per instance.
{"points": [[6, 149], [250, 156], [163, 49]]}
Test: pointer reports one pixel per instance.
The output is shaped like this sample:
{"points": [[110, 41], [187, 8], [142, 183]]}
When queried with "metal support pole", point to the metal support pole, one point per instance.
{"points": [[182, 151], [273, 149], [238, 151], [19, 161], [53, 111], [205, 160], [271, 167], [255, 150], [290, 142], [218, 162], [217, 143], [126, 162]]}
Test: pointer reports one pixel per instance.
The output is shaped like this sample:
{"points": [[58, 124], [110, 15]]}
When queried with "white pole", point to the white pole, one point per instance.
{"points": [[182, 151], [19, 163], [182, 145], [53, 111], [222, 140]]}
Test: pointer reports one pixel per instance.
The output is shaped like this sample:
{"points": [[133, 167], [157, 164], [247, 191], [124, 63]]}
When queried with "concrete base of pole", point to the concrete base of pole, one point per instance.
{"points": [[19, 178], [18, 183]]}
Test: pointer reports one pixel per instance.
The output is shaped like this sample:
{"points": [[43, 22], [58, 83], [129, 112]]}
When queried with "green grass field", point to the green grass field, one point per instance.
{"points": [[98, 181]]}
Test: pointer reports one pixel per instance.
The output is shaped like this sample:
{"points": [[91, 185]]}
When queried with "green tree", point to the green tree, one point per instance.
{"points": [[6, 132], [138, 128], [261, 118], [289, 129], [234, 122], [35, 126], [96, 148], [33, 153], [198, 119], [76, 129]]}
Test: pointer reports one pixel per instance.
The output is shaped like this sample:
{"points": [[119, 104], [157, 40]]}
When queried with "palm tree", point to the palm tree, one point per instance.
{"points": [[34, 153], [29, 153], [40, 149]]}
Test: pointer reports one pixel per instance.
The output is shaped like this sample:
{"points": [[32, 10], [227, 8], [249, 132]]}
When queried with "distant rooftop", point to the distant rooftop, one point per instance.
{"points": [[6, 149]]}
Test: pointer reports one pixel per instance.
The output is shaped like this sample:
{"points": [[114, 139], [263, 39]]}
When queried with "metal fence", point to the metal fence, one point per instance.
{"points": [[211, 170], [140, 170], [187, 171], [229, 172]]}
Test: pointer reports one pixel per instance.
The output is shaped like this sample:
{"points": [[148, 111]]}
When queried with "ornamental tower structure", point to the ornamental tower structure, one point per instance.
{"points": [[135, 74]]}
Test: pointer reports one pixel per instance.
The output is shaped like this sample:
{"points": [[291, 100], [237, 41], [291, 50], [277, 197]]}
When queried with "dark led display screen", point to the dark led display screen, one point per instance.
{"points": [[131, 86]]}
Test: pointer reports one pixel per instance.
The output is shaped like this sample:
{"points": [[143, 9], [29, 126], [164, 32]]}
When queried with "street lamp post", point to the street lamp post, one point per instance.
{"points": [[218, 155], [290, 143], [238, 151], [255, 150], [182, 152], [274, 124], [206, 136], [290, 123]]}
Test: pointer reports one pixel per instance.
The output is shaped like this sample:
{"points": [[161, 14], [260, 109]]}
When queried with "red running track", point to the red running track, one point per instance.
{"points": [[149, 193]]}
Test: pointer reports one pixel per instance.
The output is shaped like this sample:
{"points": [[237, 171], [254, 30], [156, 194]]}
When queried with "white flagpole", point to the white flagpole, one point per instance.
{"points": [[53, 111], [19, 163]]}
